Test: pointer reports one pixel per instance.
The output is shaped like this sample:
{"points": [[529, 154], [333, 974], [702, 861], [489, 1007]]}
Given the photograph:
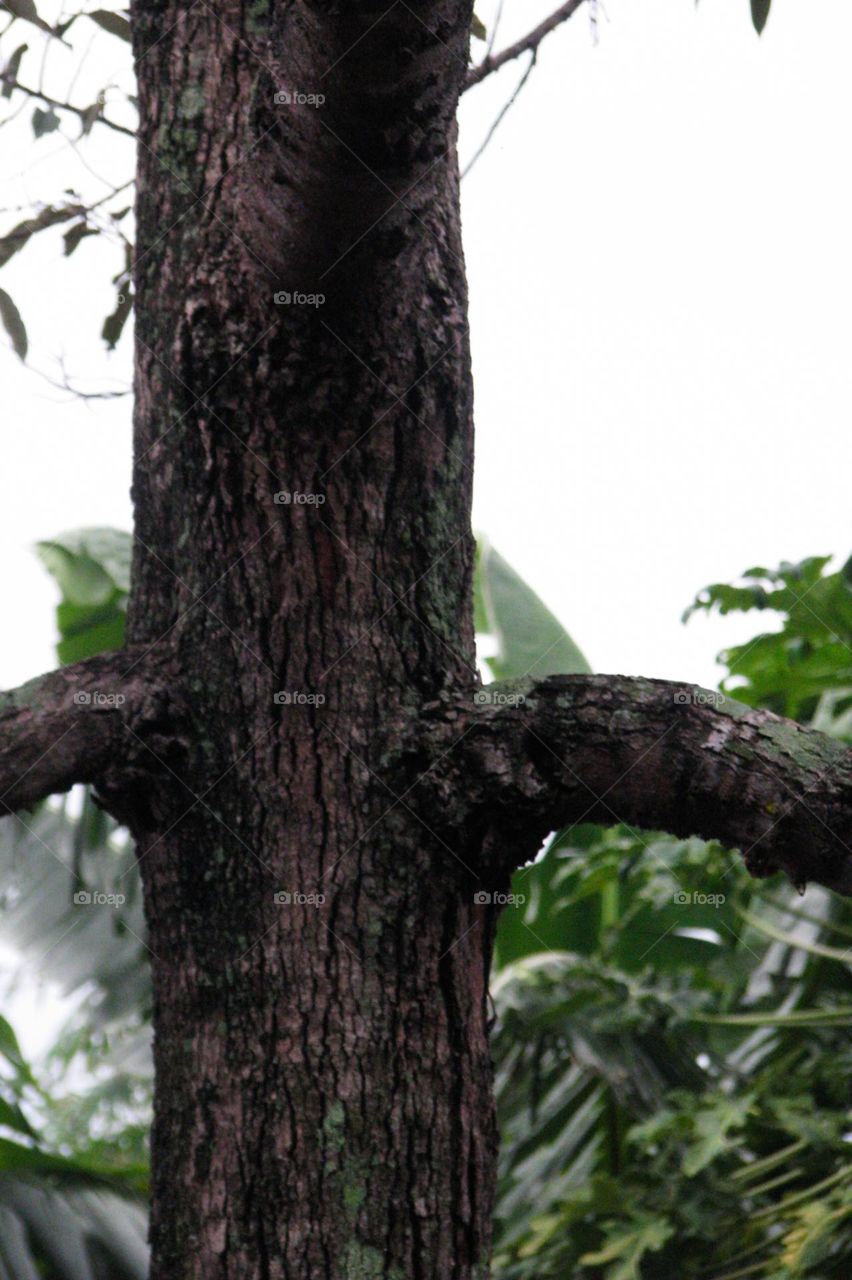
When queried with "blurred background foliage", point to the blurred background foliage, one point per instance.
{"points": [[672, 1038], [672, 1046]]}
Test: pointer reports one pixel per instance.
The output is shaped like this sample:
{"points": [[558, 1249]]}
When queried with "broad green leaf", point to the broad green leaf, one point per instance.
{"points": [[531, 642], [81, 579], [111, 549], [13, 324], [92, 569]]}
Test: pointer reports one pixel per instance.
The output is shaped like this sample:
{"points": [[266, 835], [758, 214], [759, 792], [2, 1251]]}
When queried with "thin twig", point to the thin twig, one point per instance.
{"points": [[82, 112], [529, 44], [495, 27], [507, 108]]}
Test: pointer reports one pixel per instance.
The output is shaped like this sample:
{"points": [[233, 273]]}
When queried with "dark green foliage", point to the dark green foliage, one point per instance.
{"points": [[673, 1037], [803, 671]]}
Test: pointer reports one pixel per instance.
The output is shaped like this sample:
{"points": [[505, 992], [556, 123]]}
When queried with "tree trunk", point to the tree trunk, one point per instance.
{"points": [[293, 732], [323, 1082]]}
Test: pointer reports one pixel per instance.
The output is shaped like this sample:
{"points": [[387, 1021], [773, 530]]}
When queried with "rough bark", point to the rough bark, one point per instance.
{"points": [[318, 796], [96, 721], [322, 1076], [530, 757]]}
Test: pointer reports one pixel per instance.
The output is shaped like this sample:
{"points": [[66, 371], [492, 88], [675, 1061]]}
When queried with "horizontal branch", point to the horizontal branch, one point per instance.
{"points": [[528, 44], [73, 725], [532, 757]]}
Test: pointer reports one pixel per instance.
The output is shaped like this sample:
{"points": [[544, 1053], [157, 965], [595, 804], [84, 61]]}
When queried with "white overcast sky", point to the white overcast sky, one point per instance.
{"points": [[658, 242]]}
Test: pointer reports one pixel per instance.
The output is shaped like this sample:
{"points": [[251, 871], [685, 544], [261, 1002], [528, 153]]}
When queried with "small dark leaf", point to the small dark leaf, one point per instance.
{"points": [[115, 23], [477, 28], [45, 121], [26, 9], [10, 71], [89, 116], [759, 13], [13, 324], [121, 213], [75, 234], [16, 239], [114, 324]]}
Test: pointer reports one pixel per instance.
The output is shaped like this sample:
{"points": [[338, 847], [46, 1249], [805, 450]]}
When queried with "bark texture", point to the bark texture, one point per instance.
{"points": [[533, 757], [323, 1084], [317, 790], [92, 722]]}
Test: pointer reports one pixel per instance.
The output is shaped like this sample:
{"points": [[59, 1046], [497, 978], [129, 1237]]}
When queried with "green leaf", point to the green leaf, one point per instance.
{"points": [[792, 671], [12, 1117], [12, 68], [45, 121], [9, 1047], [81, 580], [628, 1248], [92, 569], [115, 23], [531, 641], [477, 29], [801, 1018], [759, 13], [799, 943], [657, 1047], [13, 324], [111, 549], [711, 1126]]}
